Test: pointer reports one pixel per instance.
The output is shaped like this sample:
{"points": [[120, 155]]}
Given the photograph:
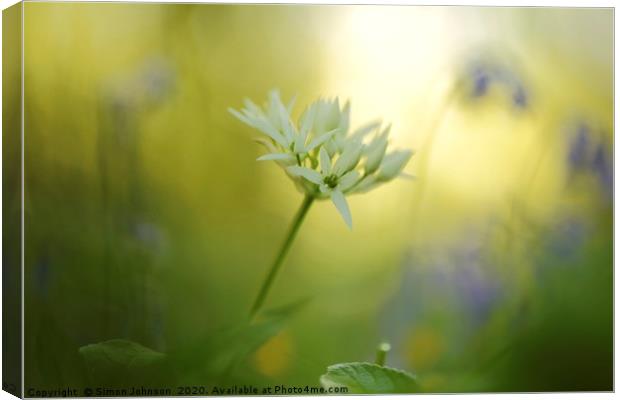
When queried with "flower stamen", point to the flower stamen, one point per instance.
{"points": [[331, 181]]}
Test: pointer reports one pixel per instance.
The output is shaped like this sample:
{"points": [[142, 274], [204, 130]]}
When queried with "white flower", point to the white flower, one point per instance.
{"points": [[288, 144], [319, 153], [334, 180]]}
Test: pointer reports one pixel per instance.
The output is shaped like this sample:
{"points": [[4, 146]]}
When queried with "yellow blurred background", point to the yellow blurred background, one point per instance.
{"points": [[136, 173]]}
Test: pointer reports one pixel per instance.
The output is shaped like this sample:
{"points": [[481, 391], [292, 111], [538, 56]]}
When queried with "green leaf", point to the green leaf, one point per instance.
{"points": [[119, 361], [368, 378], [119, 353], [218, 353]]}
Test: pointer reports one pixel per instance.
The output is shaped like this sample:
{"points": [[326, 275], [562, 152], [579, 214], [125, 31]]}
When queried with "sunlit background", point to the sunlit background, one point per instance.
{"points": [[148, 218]]}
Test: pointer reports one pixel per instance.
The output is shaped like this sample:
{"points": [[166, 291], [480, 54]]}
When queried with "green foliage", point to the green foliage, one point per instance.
{"points": [[122, 362], [214, 358], [368, 378]]}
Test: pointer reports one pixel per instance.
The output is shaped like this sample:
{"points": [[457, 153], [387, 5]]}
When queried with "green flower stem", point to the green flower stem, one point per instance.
{"points": [[299, 218], [382, 351]]}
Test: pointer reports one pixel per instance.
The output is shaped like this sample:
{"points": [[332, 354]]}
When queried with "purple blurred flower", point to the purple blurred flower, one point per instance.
{"points": [[578, 152], [454, 284], [148, 234], [519, 97], [480, 79], [483, 75], [586, 155], [603, 167], [148, 85], [156, 79], [567, 237], [477, 290]]}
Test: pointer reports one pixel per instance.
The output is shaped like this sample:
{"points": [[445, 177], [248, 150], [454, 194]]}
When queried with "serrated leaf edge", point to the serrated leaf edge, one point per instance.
{"points": [[366, 363], [326, 381]]}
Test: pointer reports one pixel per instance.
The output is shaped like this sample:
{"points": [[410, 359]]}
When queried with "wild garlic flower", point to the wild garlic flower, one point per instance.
{"points": [[286, 143], [319, 153]]}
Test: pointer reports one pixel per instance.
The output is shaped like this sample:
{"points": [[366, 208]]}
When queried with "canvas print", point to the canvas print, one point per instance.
{"points": [[234, 199]]}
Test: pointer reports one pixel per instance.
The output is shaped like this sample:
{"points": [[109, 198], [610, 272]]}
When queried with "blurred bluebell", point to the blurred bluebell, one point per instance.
{"points": [[481, 76], [156, 79], [469, 294], [148, 85], [603, 167], [563, 245], [480, 79], [567, 237], [588, 154], [578, 151], [477, 290], [519, 96], [148, 234]]}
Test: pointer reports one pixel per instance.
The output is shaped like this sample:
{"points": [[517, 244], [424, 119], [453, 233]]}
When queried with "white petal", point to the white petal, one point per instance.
{"points": [[325, 162], [267, 143], [328, 116], [286, 124], [291, 104], [376, 152], [321, 139], [282, 116], [345, 118], [386, 131], [253, 108], [273, 111], [241, 117], [366, 184], [393, 164], [307, 119], [267, 128], [276, 156], [334, 113], [299, 144], [348, 180], [348, 159], [343, 208], [364, 130], [279, 116], [310, 174], [331, 147]]}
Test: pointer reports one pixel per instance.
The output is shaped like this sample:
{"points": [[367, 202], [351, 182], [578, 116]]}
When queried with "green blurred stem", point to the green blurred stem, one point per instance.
{"points": [[273, 272], [382, 351], [427, 146]]}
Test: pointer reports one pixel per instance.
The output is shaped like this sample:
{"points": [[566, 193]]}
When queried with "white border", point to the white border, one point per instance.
{"points": [[484, 3]]}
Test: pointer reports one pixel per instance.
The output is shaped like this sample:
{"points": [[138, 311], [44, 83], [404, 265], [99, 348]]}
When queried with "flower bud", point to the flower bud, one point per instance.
{"points": [[393, 164]]}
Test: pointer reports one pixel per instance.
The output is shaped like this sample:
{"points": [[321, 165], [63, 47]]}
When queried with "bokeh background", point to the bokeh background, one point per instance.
{"points": [[148, 218]]}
